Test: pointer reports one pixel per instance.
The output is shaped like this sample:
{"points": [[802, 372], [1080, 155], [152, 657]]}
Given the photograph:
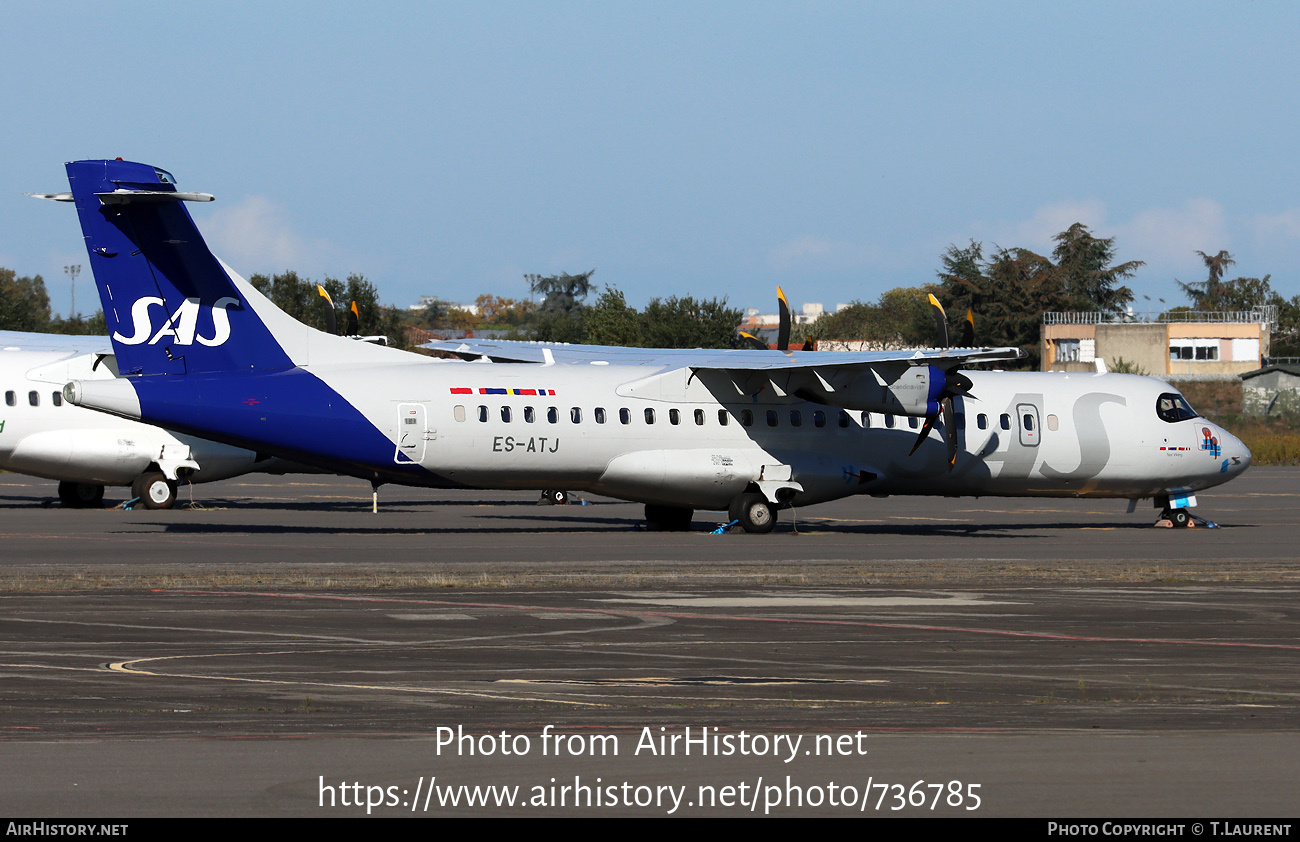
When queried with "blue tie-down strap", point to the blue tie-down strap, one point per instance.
{"points": [[723, 527]]}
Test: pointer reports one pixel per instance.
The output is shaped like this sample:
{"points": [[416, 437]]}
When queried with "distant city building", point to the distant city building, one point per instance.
{"points": [[1170, 343], [427, 301]]}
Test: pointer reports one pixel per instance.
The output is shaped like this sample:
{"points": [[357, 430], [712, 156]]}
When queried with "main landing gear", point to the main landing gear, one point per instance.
{"points": [[753, 512], [154, 490], [668, 518], [81, 495]]}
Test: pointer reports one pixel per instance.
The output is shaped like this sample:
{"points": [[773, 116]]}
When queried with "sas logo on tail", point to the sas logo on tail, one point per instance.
{"points": [[182, 325]]}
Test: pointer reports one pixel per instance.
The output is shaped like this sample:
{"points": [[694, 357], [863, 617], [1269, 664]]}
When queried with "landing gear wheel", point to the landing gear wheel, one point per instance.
{"points": [[668, 518], [552, 497], [755, 514], [81, 495], [155, 491], [1180, 518]]}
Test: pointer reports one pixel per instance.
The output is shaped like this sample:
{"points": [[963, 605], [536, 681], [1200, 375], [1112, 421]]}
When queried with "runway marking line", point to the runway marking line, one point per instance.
{"points": [[749, 618]]}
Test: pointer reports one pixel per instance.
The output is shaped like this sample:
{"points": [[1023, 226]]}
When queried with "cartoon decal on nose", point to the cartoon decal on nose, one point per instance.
{"points": [[1210, 442]]}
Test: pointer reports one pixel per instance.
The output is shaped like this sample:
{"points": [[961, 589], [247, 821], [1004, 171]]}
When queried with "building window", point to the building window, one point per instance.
{"points": [[1198, 350]]}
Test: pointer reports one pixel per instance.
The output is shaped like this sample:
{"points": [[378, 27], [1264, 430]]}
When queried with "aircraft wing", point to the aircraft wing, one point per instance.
{"points": [[702, 359], [24, 341]]}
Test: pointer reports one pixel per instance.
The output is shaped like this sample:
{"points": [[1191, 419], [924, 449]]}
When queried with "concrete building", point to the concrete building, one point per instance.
{"points": [[1169, 343], [1271, 391]]}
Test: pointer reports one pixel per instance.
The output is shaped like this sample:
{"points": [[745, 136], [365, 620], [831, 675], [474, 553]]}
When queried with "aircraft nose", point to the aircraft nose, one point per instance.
{"points": [[1236, 456]]}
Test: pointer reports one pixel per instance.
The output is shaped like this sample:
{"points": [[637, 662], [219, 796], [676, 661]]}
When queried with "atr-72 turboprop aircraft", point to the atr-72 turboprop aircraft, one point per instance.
{"points": [[749, 432]]}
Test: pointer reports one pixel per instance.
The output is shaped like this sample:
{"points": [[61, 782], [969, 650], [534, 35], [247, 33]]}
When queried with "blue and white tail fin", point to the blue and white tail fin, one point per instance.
{"points": [[170, 306]]}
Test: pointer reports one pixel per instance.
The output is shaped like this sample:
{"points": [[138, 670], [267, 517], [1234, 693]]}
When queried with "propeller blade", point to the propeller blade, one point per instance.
{"points": [[925, 431], [331, 318], [968, 330], [809, 345], [950, 432], [753, 340], [940, 322], [783, 331], [354, 320]]}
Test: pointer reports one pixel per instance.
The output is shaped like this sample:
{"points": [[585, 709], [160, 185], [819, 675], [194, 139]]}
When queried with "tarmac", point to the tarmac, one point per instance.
{"points": [[273, 648]]}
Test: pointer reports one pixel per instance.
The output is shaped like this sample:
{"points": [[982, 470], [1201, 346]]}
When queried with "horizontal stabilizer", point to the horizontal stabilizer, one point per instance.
{"points": [[122, 197]]}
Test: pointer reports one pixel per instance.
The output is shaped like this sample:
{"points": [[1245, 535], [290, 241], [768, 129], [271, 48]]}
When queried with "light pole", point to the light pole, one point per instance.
{"points": [[72, 272]]}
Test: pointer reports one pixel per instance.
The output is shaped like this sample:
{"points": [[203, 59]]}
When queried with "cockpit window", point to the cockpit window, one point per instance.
{"points": [[1172, 407]]}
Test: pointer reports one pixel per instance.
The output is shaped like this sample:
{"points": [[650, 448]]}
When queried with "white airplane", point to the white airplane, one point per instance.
{"points": [[748, 432], [44, 436]]}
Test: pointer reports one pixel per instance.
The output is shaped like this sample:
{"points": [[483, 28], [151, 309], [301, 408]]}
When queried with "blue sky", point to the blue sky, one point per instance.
{"points": [[680, 149]]}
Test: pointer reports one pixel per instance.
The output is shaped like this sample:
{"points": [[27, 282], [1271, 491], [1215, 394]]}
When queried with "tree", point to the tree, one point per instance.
{"points": [[559, 318], [688, 323], [1086, 274], [1208, 294], [24, 303], [563, 293], [900, 318], [611, 321]]}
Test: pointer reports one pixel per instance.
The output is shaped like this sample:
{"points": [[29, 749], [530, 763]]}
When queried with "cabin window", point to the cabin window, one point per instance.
{"points": [[723, 418], [982, 421], [1029, 422], [57, 397], [844, 418], [911, 421], [552, 415], [796, 418], [747, 417], [530, 415], [1053, 423], [600, 415], [11, 399], [890, 421], [482, 413], [771, 418], [34, 398], [505, 414], [699, 418], [1005, 421], [866, 420], [459, 413], [674, 417], [575, 415], [625, 416], [649, 415], [819, 418]]}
